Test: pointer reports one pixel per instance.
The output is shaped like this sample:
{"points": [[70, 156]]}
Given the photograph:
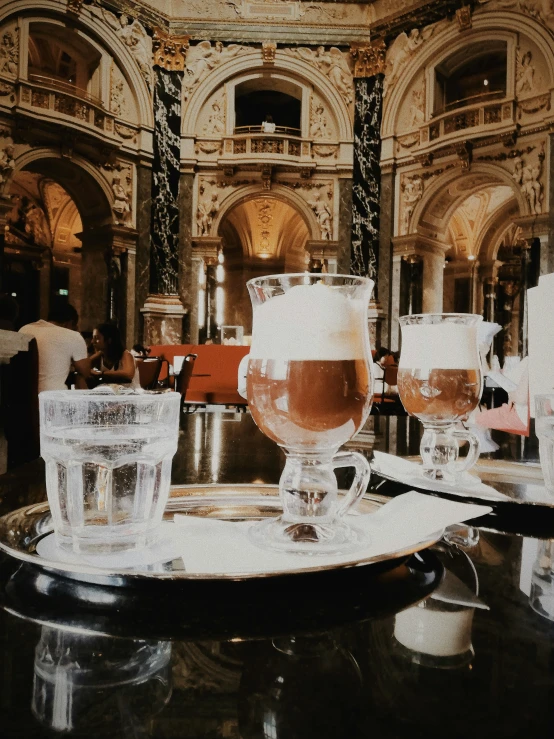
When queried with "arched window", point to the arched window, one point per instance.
{"points": [[471, 75], [254, 101]]}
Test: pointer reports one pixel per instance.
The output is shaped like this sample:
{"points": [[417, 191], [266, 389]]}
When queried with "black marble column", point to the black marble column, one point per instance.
{"points": [[366, 176], [164, 262]]}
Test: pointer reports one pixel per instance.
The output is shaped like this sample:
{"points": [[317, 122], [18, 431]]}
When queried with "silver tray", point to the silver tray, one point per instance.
{"points": [[21, 530]]}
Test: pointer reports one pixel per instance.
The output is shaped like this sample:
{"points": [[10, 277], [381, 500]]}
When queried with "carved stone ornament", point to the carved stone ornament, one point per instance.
{"points": [[369, 60], [463, 16], [268, 52], [528, 177], [208, 147], [412, 191], [122, 193], [170, 52], [6, 89], [330, 62], [133, 34], [9, 52], [126, 132], [324, 150], [533, 105], [74, 6], [411, 139]]}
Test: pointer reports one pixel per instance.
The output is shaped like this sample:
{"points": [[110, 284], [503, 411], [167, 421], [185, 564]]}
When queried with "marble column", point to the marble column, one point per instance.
{"points": [[345, 226], [188, 277], [366, 176], [122, 284], [142, 257], [163, 311], [385, 270]]}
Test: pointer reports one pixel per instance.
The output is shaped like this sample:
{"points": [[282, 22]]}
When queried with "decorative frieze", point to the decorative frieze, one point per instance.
{"points": [[268, 52], [202, 59]]}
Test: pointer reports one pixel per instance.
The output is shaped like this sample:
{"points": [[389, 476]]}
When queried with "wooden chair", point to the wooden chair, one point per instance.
{"points": [[387, 403], [182, 380], [149, 371]]}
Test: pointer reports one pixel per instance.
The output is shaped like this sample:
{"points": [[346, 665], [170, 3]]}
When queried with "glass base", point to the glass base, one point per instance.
{"points": [[308, 537]]}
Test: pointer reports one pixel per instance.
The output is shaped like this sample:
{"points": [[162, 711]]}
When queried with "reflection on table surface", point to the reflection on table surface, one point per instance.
{"points": [[470, 659]]}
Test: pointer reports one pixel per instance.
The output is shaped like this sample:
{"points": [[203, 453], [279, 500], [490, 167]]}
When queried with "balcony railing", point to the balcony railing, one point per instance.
{"points": [[284, 130], [276, 144], [58, 97], [55, 84], [472, 117]]}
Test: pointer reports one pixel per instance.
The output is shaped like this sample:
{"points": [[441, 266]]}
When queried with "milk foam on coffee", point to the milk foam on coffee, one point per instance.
{"points": [[309, 322], [439, 346]]}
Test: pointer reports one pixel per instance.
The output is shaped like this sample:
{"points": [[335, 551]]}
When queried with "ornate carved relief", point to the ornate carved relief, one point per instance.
{"points": [[408, 141], [285, 10], [412, 192], [402, 49], [324, 216], [7, 163], [268, 52], [204, 57], [9, 52], [74, 6], [332, 63], [369, 60], [533, 105], [319, 125], [207, 209], [117, 91], [126, 132], [170, 52], [542, 10], [208, 147], [463, 17], [525, 73], [417, 107], [133, 34], [6, 89], [215, 125], [325, 150], [527, 176]]}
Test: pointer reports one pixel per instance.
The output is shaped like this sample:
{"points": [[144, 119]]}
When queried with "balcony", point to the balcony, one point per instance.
{"points": [[51, 97], [473, 119]]}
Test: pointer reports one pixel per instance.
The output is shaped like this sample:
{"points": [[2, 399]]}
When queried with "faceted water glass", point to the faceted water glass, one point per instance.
{"points": [[108, 465]]}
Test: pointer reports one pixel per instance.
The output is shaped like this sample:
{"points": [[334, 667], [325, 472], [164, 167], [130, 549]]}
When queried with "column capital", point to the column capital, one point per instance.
{"points": [[533, 226], [169, 52], [369, 59], [416, 244], [207, 248]]}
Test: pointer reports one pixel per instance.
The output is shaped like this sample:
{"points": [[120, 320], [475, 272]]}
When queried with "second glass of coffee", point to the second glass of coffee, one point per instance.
{"points": [[309, 389], [440, 382]]}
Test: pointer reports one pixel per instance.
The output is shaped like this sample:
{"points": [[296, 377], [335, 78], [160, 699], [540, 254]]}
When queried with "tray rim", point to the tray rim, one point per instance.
{"points": [[104, 576]]}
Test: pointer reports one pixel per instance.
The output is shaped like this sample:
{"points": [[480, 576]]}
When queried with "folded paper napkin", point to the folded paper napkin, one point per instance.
{"points": [[212, 547], [209, 546], [410, 473]]}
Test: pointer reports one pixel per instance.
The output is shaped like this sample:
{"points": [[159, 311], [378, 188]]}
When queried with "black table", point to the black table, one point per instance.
{"points": [[309, 660]]}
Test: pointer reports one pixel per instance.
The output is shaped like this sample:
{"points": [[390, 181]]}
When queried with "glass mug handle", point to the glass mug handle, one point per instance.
{"points": [[472, 456], [361, 479]]}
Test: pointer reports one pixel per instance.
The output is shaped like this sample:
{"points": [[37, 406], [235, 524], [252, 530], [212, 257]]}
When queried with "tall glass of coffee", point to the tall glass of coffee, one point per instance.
{"points": [[440, 382], [309, 389]]}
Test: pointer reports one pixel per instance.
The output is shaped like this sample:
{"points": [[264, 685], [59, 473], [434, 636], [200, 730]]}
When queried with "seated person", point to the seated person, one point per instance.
{"points": [[268, 126], [111, 362], [140, 352], [60, 347]]}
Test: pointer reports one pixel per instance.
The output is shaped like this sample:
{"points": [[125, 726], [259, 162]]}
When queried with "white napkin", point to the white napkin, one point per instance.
{"points": [[212, 547], [411, 473]]}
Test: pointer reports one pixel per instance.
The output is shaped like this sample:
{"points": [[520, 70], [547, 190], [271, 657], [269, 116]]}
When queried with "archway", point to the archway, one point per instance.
{"points": [[58, 239], [260, 234]]}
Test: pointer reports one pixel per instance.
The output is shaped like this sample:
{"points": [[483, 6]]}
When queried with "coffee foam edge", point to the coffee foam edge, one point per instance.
{"points": [[439, 346]]}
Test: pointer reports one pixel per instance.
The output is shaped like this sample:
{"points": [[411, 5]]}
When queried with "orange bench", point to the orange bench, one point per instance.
{"points": [[215, 376]]}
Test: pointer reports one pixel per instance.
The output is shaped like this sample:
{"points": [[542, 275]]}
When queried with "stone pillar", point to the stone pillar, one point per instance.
{"points": [[163, 310], [95, 256], [345, 227], [488, 274], [205, 250], [366, 182], [122, 282], [433, 277], [324, 253], [188, 277], [142, 256]]}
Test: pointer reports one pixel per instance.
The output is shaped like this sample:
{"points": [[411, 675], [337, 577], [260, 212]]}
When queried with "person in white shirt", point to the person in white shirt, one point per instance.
{"points": [[268, 126], [60, 346]]}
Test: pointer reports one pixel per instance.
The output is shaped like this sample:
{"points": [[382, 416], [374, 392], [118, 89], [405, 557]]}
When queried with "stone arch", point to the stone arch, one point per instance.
{"points": [[286, 66], [91, 25], [88, 188], [278, 192], [506, 25], [432, 213]]}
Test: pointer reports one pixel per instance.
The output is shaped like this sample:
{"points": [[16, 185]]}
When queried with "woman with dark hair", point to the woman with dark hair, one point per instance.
{"points": [[111, 361]]}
